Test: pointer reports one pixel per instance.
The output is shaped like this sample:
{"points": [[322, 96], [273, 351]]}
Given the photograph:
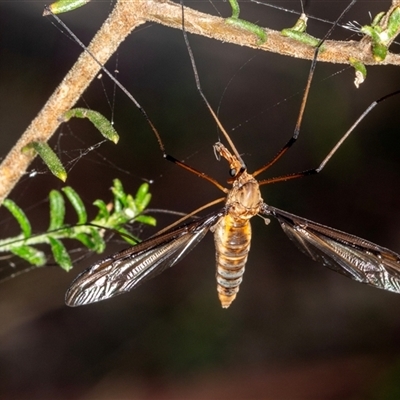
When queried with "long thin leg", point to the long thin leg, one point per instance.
{"points": [[196, 172], [333, 151], [296, 131], [142, 110], [200, 90], [192, 214]]}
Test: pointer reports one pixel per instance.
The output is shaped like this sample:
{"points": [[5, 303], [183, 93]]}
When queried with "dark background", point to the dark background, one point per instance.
{"points": [[296, 330]]}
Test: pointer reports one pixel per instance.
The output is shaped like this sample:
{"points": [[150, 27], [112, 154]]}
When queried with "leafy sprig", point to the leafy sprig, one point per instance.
{"points": [[50, 158], [114, 215]]}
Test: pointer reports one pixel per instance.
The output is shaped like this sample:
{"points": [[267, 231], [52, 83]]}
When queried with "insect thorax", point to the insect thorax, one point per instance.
{"points": [[244, 199]]}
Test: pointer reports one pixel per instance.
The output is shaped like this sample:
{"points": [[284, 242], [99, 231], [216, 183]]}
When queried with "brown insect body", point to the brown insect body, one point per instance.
{"points": [[232, 233]]}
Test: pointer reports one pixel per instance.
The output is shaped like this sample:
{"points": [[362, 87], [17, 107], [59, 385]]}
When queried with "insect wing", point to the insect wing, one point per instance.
{"points": [[125, 270], [347, 254]]}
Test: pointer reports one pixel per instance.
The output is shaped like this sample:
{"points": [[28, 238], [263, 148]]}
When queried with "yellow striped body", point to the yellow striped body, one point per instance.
{"points": [[232, 238], [232, 233]]}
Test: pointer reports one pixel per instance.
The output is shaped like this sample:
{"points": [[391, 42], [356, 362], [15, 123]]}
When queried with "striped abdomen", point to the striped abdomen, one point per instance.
{"points": [[232, 238]]}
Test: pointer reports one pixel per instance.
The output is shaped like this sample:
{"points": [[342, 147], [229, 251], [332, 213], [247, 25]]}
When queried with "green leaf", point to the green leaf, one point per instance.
{"points": [[119, 195], [146, 219], [298, 32], [60, 254], [103, 210], [102, 124], [57, 210], [394, 23], [379, 51], [378, 18], [110, 216], [98, 240], [383, 36], [127, 236], [143, 197], [86, 240], [30, 254], [20, 216], [118, 189], [361, 71], [63, 6], [302, 37], [142, 192], [235, 8], [49, 158], [144, 203], [248, 26], [130, 208], [77, 203]]}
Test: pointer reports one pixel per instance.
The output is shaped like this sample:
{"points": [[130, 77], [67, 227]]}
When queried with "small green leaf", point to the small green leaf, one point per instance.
{"points": [[127, 236], [30, 254], [235, 8], [298, 32], [60, 254], [77, 203], [49, 158], [371, 31], [20, 216], [302, 37], [98, 240], [57, 210], [379, 51], [103, 210], [118, 189], [143, 196], [146, 219], [142, 191], [378, 18], [361, 71], [248, 26], [393, 24], [382, 36], [145, 202], [101, 123], [62, 6], [119, 195], [130, 209], [86, 240]]}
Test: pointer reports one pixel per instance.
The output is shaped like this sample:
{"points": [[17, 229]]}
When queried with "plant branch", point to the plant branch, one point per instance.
{"points": [[126, 16], [105, 43]]}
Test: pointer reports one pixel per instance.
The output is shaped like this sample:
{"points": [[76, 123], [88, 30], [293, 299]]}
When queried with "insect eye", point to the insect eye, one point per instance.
{"points": [[232, 172]]}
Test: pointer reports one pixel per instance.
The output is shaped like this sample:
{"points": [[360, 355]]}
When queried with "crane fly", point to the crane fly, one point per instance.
{"points": [[356, 258]]}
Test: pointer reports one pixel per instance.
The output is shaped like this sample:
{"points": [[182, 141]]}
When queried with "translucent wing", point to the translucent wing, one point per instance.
{"points": [[125, 270], [349, 255]]}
